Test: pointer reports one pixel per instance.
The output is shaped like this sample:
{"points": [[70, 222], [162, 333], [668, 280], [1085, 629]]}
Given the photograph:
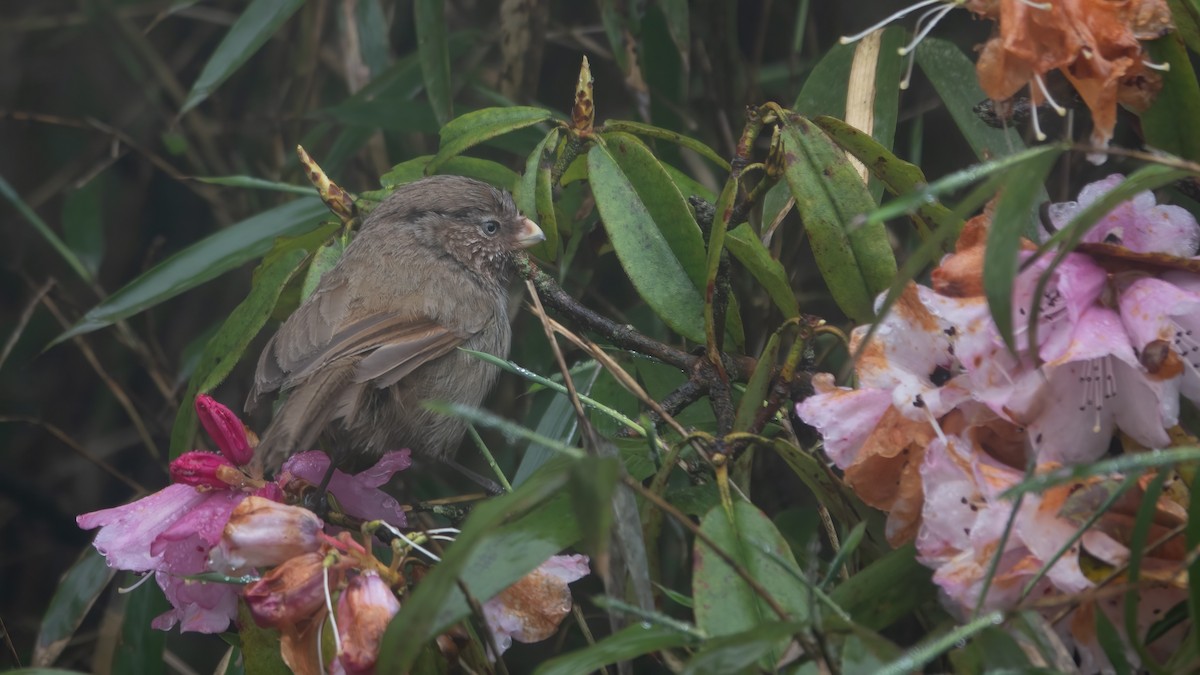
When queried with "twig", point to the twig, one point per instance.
{"points": [[587, 432], [23, 320], [112, 385], [79, 449]]}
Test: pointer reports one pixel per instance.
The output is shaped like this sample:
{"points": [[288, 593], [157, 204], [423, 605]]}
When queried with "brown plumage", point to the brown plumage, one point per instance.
{"points": [[427, 273]]}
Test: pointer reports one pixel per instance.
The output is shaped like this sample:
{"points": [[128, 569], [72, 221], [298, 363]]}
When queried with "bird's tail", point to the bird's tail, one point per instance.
{"points": [[298, 423]]}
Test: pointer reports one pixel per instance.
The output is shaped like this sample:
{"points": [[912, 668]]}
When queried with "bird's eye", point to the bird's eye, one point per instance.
{"points": [[490, 227]]}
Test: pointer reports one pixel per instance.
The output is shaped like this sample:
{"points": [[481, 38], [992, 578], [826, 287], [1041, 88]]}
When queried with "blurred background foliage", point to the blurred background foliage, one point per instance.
{"points": [[113, 113]]}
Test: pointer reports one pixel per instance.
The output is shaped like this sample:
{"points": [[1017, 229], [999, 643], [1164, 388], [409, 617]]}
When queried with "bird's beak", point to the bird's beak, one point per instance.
{"points": [[528, 233]]}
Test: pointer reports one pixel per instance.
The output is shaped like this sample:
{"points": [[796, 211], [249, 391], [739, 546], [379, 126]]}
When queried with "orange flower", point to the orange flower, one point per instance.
{"points": [[1094, 43]]}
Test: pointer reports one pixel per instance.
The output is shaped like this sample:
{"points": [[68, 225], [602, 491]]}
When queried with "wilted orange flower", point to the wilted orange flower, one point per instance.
{"points": [[1094, 43]]}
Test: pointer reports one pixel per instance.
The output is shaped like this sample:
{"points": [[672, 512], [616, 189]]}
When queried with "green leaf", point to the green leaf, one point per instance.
{"points": [[931, 648], [501, 541], [643, 251], [725, 603], [1142, 461], [756, 388], [43, 229], [864, 653], [253, 183], [478, 126], [591, 482], [83, 224], [1178, 100], [1111, 642], [624, 645], [1010, 222], [736, 652], [224, 350], [253, 28], [480, 169], [205, 260], [260, 646], [1192, 535], [819, 479], [748, 249], [953, 77], [141, 649], [1186, 15], [651, 131], [855, 259], [77, 591], [897, 175], [430, 19], [886, 590], [534, 194], [325, 257], [372, 35], [678, 25]]}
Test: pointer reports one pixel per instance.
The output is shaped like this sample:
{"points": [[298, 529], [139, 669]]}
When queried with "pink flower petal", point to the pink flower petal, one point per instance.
{"points": [[226, 430], [843, 417], [197, 606], [127, 532], [356, 494]]}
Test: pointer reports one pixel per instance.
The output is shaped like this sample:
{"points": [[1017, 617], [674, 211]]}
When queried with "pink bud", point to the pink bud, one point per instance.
{"points": [[224, 427], [261, 532], [290, 593], [199, 469], [363, 613]]}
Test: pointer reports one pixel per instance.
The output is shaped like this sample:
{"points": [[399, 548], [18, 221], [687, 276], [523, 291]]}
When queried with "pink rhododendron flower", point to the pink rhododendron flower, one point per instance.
{"points": [[1163, 320], [531, 609], [261, 533], [172, 531], [357, 494], [1139, 224]]}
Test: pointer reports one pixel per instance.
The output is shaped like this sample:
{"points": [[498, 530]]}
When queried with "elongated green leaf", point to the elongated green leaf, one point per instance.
{"points": [[75, 595], [679, 26], [1143, 461], [478, 126], [535, 194], [643, 251], [1110, 641], [43, 229], [886, 590], [480, 169], [628, 643], [953, 77], [909, 203], [1186, 15], [1010, 222], [738, 652], [1178, 100], [651, 131], [141, 650], [205, 260], [1192, 535], [669, 210], [591, 482], [253, 28], [819, 479], [502, 540], [256, 184], [558, 421], [226, 347], [855, 260], [916, 658], [756, 388], [748, 249], [897, 175], [260, 646], [83, 224], [430, 20], [324, 258], [725, 603]]}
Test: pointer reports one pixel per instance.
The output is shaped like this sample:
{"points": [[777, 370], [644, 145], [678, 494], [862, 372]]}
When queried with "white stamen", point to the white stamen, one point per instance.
{"points": [[1037, 128], [937, 428], [1062, 112], [1037, 5], [912, 58], [429, 554], [444, 530], [937, 14], [139, 582], [847, 39], [1162, 67], [337, 639]]}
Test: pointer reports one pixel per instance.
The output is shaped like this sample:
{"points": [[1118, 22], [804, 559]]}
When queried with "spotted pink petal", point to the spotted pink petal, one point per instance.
{"points": [[358, 494]]}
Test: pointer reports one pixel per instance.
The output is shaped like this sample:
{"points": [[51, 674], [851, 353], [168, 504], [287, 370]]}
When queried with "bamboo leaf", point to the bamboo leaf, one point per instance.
{"points": [[477, 126]]}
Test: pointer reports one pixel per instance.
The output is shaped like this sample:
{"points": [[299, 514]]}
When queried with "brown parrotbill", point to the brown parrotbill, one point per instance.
{"points": [[427, 273]]}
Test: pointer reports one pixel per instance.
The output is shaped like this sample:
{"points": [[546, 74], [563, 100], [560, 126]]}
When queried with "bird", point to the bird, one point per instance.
{"points": [[426, 275]]}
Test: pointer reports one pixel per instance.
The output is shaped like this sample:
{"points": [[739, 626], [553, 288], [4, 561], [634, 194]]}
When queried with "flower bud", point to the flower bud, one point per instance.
{"points": [[261, 532], [199, 469], [226, 430], [290, 593], [363, 613]]}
